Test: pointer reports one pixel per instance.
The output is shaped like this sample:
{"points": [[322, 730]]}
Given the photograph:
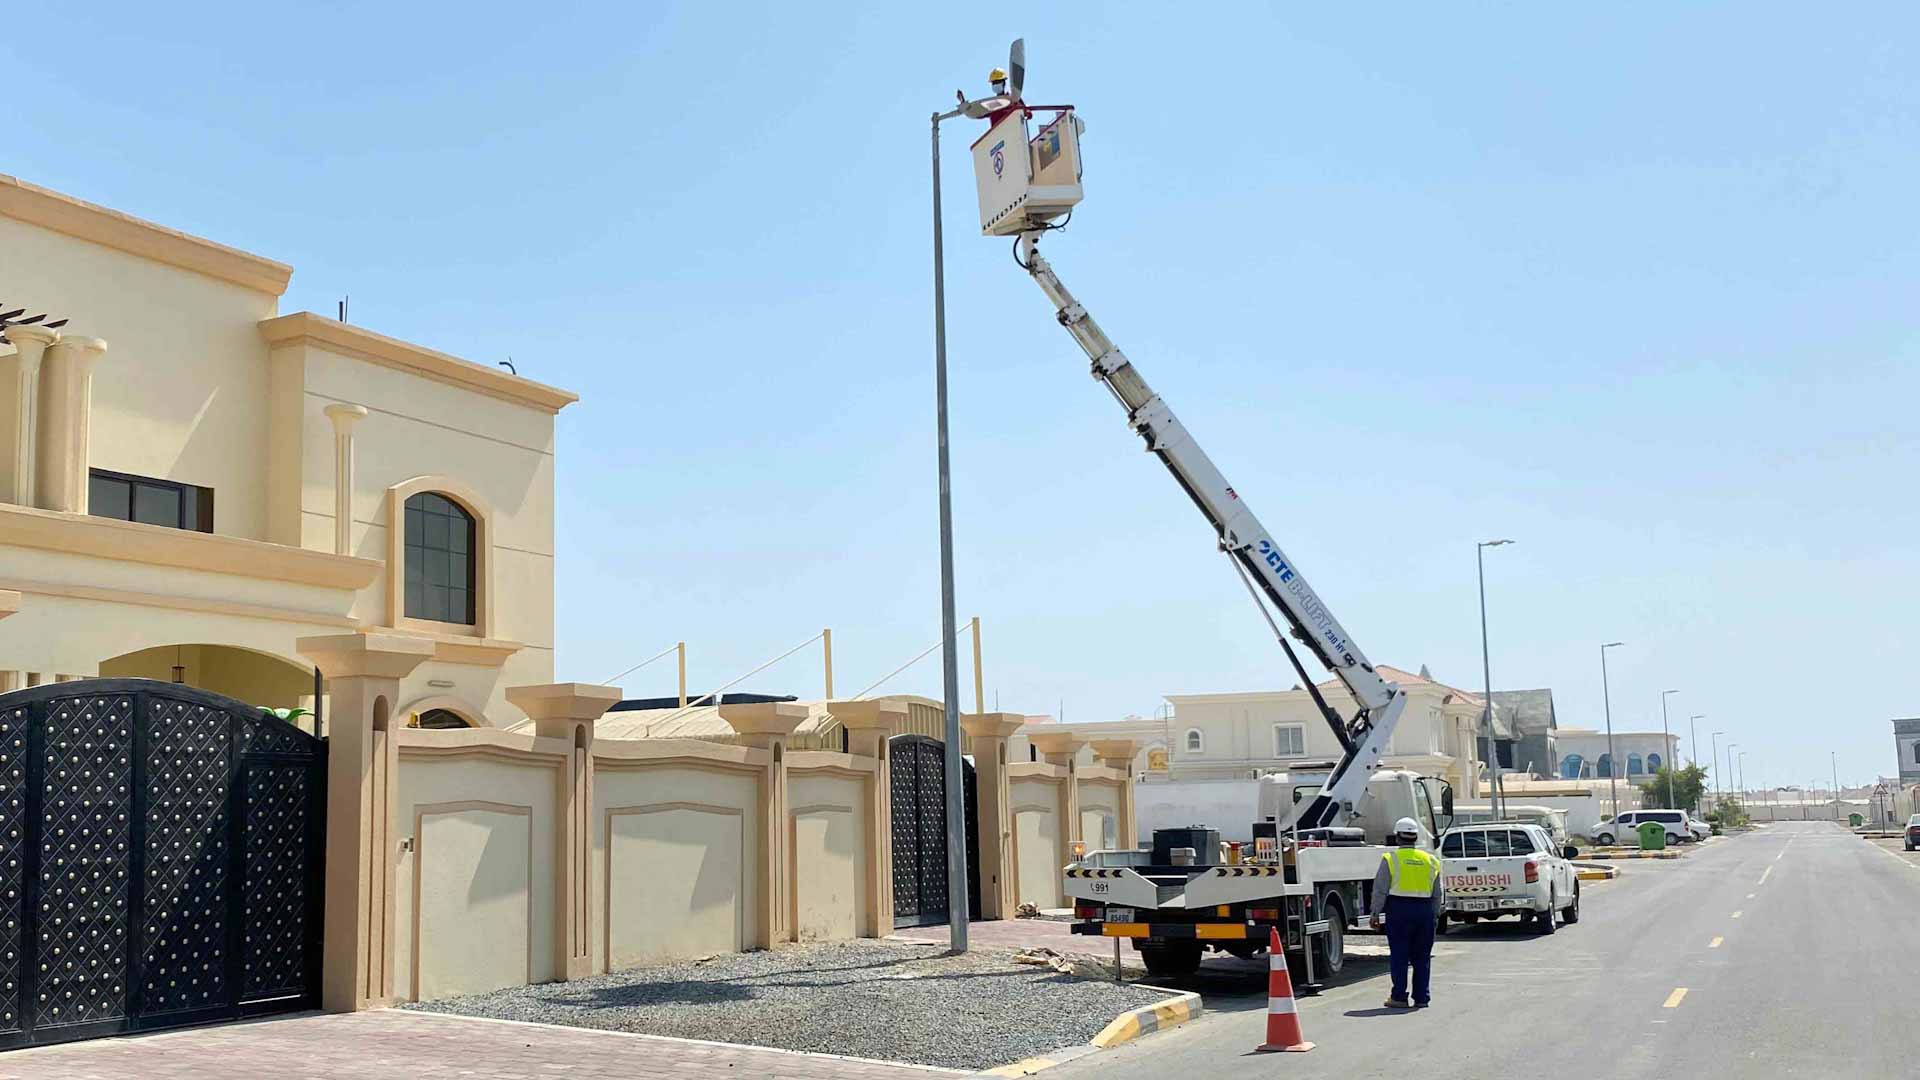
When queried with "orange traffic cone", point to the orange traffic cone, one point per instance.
{"points": [[1283, 1022]]}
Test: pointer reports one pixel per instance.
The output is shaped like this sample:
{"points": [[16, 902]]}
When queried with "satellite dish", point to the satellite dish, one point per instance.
{"points": [[1017, 67]]}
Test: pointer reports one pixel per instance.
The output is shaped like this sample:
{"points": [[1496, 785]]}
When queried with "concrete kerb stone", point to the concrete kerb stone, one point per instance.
{"points": [[1177, 1009]]}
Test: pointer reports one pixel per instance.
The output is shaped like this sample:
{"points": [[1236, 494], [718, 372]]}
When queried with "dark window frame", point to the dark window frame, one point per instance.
{"points": [[195, 513], [420, 591]]}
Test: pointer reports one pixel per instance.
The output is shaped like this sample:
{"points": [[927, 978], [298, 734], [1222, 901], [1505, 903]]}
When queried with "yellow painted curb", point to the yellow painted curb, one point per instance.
{"points": [[1148, 1019], [1598, 873]]}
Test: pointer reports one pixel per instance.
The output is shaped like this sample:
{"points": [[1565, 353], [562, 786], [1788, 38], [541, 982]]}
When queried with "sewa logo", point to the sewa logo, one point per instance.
{"points": [[999, 153]]}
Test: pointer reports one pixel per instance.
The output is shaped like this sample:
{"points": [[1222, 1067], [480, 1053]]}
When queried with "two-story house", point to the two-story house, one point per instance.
{"points": [[191, 481]]}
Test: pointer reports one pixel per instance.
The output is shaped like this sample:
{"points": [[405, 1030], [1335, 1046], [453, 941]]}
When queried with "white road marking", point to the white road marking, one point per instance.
{"points": [[1673, 999], [1751, 895], [1736, 914], [1764, 873], [1715, 943]]}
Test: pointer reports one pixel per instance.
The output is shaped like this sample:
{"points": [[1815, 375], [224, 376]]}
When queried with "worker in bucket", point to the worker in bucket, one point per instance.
{"points": [[1408, 898]]}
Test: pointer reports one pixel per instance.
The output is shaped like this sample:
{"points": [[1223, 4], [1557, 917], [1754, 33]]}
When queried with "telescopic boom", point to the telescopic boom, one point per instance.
{"points": [[1248, 543]]}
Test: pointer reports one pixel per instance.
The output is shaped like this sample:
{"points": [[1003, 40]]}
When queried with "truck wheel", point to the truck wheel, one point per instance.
{"points": [[1330, 948], [1171, 958], [1544, 922], [1572, 914]]}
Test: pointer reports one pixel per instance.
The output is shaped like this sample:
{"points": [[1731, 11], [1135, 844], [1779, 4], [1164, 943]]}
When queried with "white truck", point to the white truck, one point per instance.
{"points": [[1313, 867], [1509, 868]]}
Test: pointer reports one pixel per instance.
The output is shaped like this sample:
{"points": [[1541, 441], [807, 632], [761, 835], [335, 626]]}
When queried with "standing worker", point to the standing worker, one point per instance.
{"points": [[1408, 898]]}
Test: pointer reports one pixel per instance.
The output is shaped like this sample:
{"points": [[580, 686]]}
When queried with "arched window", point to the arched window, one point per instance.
{"points": [[1653, 763], [1605, 767], [1570, 767], [1634, 765], [440, 560], [439, 720], [1195, 743]]}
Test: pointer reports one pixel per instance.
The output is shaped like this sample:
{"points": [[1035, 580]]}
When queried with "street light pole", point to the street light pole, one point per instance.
{"points": [[1730, 746], [1613, 759], [1833, 759], [1714, 768], [1666, 744], [949, 651], [1693, 756], [1486, 669]]}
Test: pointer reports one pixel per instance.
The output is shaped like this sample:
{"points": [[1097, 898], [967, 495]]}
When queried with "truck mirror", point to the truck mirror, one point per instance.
{"points": [[1569, 852], [1446, 800]]}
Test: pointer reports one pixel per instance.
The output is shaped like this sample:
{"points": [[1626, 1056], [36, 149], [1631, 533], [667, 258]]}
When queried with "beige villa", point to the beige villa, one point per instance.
{"points": [[191, 481]]}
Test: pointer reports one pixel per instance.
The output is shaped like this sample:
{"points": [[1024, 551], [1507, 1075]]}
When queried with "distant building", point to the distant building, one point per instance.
{"points": [[1585, 754], [1906, 743], [1530, 716]]}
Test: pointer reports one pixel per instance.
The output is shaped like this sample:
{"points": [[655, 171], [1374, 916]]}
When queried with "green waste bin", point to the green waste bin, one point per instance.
{"points": [[1653, 836], [1856, 820]]}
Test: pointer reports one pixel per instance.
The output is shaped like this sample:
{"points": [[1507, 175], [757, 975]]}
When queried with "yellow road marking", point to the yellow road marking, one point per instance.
{"points": [[1673, 999], [1715, 943], [1750, 896], [1736, 914]]}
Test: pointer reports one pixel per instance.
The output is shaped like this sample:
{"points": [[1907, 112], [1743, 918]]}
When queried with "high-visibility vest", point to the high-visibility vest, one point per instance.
{"points": [[1413, 872]]}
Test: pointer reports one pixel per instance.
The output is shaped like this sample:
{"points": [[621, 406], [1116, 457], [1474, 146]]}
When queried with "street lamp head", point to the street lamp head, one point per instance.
{"points": [[1613, 644], [1664, 693], [1494, 543]]}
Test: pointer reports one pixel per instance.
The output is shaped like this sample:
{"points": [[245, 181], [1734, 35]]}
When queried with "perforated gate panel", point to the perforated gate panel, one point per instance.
{"points": [[919, 791], [159, 860]]}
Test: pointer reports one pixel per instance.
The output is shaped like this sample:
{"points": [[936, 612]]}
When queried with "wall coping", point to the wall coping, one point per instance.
{"points": [[635, 753], [131, 541], [332, 334], [1000, 725], [483, 742], [96, 224], [830, 762], [1036, 770]]}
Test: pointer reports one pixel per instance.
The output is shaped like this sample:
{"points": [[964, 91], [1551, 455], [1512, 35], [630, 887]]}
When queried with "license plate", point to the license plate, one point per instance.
{"points": [[1476, 905], [1120, 914]]}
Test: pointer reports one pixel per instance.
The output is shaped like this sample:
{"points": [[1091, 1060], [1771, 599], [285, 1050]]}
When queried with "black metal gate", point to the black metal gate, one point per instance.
{"points": [[160, 860], [919, 787]]}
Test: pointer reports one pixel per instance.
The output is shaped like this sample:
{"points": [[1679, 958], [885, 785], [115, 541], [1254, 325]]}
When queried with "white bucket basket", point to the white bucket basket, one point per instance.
{"points": [[1023, 182]]}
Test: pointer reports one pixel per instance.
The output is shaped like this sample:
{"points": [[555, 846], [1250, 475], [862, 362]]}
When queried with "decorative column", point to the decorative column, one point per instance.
{"points": [[568, 711], [344, 417], [1117, 754], [66, 416], [363, 673], [990, 732], [30, 345], [1063, 748], [870, 724], [768, 725]]}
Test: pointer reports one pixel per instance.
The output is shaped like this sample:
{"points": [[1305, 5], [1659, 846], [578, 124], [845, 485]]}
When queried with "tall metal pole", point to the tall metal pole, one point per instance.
{"points": [[1833, 759], [1693, 756], [1729, 784], [1613, 759], [949, 647], [1714, 768], [1486, 669], [1666, 745]]}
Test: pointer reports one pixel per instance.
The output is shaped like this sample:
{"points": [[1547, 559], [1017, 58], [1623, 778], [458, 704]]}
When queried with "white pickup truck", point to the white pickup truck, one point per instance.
{"points": [[1509, 868]]}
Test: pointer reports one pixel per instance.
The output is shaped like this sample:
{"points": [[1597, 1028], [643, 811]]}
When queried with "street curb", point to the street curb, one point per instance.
{"points": [[1128, 1026], [1596, 873], [1148, 1019]]}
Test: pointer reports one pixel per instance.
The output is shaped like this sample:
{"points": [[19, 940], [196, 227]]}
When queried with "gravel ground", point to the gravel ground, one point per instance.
{"points": [[889, 1000]]}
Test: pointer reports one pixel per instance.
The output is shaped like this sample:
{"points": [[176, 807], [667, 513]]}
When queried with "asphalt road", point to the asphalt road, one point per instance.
{"points": [[1784, 952]]}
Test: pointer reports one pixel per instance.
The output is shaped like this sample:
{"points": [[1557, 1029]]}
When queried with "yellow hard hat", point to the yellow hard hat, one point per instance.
{"points": [[996, 75]]}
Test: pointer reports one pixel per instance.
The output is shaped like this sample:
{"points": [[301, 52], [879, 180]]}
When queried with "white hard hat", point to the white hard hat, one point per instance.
{"points": [[1406, 826]]}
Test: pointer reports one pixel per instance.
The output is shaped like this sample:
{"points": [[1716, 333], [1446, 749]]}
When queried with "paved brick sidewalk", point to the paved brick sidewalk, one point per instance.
{"points": [[394, 1045]]}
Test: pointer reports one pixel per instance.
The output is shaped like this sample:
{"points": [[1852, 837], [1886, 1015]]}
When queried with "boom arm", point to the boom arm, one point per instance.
{"points": [[1246, 541]]}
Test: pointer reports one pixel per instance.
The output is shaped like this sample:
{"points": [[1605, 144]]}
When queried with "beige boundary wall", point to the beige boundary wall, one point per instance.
{"points": [[461, 861]]}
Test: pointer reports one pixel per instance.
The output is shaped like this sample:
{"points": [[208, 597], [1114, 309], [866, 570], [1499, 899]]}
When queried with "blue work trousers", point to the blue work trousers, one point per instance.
{"points": [[1410, 923]]}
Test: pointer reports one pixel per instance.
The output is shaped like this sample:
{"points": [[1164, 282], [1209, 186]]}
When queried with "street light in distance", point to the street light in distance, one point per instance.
{"points": [[1486, 669]]}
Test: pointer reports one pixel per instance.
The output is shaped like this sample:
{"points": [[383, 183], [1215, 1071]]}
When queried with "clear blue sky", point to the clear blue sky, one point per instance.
{"points": [[1635, 287]]}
